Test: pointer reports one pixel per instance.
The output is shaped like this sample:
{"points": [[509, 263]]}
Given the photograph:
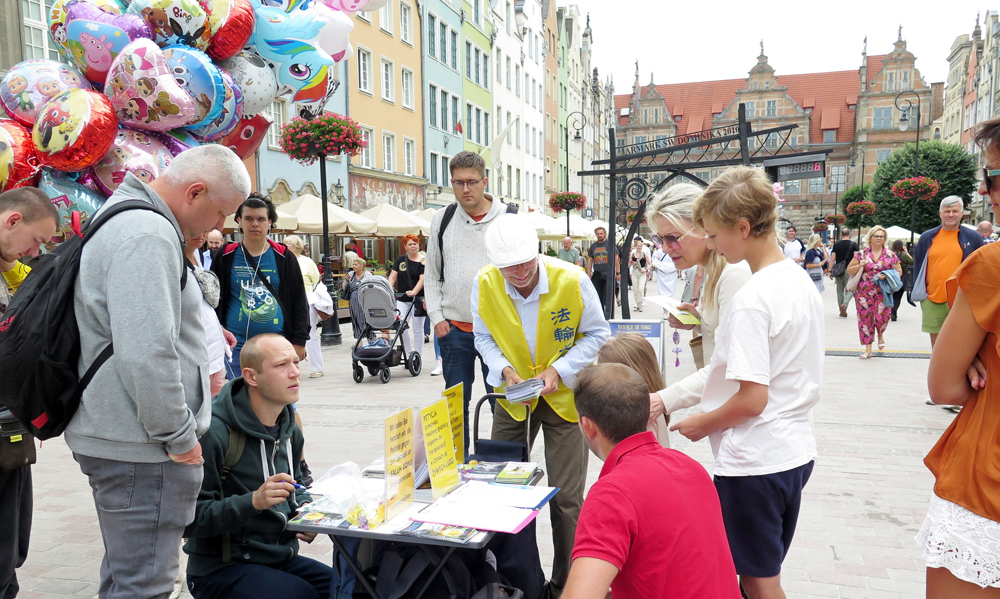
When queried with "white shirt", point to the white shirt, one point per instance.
{"points": [[793, 249], [666, 273], [593, 326], [771, 333]]}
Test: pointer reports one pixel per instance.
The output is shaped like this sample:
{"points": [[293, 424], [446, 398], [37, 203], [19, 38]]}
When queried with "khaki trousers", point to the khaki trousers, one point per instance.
{"points": [[566, 456]]}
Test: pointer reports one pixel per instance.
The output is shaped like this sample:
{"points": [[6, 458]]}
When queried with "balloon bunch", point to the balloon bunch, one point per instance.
{"points": [[148, 79]]}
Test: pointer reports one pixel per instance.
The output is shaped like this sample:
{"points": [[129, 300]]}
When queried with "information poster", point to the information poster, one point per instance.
{"points": [[456, 411], [398, 462], [652, 330], [439, 447]]}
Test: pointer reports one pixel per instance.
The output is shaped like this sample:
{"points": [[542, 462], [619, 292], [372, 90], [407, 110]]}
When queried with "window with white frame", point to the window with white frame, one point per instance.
{"points": [[443, 39], [498, 70], [508, 72], [506, 20], [432, 101], [432, 171], [479, 126], [407, 80], [882, 118], [385, 17], [510, 183], [838, 179], [431, 41], [882, 155], [406, 23], [517, 80], [486, 70], [477, 12], [477, 60], [468, 60], [365, 15], [817, 185], [517, 183], [444, 112], [771, 108], [446, 169], [488, 179], [388, 81], [454, 49], [388, 152], [37, 41], [275, 112], [486, 128], [409, 156], [829, 136], [368, 152], [792, 188], [468, 122], [456, 112], [751, 109], [364, 70]]}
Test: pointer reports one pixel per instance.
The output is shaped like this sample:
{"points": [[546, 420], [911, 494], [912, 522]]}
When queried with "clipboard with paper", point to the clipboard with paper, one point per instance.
{"points": [[672, 306]]}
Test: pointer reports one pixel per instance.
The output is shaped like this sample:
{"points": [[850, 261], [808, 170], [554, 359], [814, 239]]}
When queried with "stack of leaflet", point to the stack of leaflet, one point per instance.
{"points": [[516, 473], [524, 392], [486, 506]]}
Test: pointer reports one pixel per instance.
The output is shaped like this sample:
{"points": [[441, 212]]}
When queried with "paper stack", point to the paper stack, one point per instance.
{"points": [[524, 392]]}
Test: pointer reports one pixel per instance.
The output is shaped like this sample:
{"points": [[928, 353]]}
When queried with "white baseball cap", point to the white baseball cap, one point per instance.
{"points": [[511, 240]]}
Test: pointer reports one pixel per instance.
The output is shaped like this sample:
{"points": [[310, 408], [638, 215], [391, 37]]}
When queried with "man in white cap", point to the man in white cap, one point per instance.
{"points": [[539, 317]]}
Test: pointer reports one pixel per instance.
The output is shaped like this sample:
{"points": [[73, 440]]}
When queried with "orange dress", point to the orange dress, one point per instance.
{"points": [[966, 459]]}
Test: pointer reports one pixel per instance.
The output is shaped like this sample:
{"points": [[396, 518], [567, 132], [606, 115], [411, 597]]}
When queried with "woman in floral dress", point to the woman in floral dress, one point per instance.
{"points": [[873, 314]]}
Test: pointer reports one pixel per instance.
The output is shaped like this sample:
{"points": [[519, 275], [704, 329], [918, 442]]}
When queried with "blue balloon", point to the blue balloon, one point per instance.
{"points": [[194, 72], [68, 196]]}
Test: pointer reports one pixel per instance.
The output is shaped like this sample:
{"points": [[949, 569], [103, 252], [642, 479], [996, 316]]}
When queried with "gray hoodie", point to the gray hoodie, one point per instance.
{"points": [[152, 396]]}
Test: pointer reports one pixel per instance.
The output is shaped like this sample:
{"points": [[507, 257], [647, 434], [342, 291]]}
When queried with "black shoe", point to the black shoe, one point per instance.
{"points": [[427, 338], [305, 479]]}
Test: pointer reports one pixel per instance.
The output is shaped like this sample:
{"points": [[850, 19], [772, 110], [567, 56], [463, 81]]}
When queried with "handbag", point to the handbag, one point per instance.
{"points": [[697, 351], [17, 446], [816, 274], [345, 291], [852, 283], [839, 268]]}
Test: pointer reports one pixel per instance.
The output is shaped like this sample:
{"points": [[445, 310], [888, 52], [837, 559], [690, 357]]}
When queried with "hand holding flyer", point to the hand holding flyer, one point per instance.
{"points": [[672, 306]]}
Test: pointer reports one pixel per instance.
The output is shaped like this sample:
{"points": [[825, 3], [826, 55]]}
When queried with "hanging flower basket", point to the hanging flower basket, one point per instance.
{"points": [[328, 134], [818, 227], [566, 201], [864, 207], [630, 217], [919, 188], [836, 219]]}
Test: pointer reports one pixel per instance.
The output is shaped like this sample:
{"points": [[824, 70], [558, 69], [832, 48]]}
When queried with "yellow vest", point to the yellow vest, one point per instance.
{"points": [[559, 315]]}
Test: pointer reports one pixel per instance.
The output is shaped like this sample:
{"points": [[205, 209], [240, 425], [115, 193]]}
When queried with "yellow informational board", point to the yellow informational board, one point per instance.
{"points": [[398, 462], [439, 447], [456, 408]]}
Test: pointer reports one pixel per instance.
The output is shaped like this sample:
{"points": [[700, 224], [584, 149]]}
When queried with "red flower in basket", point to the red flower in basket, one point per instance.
{"points": [[566, 201], [329, 134], [920, 188]]}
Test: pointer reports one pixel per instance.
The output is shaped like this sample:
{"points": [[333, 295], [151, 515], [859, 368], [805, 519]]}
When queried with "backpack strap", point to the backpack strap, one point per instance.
{"points": [[449, 213], [234, 450]]}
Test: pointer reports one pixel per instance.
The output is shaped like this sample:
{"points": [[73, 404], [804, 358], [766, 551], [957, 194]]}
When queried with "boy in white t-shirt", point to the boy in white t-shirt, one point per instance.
{"points": [[763, 381]]}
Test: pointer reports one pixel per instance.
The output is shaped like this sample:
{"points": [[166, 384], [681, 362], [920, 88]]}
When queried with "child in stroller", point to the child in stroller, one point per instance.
{"points": [[372, 350]]}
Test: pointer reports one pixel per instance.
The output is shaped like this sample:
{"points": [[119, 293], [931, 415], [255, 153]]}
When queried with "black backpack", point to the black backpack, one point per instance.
{"points": [[40, 338], [449, 213]]}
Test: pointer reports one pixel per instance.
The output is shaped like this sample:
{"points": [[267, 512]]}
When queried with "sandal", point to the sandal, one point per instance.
{"points": [[865, 356], [881, 344], [316, 374]]}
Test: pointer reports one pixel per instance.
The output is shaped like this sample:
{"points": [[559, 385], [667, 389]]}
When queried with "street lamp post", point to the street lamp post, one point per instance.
{"points": [[579, 122], [864, 156], [904, 124], [331, 326]]}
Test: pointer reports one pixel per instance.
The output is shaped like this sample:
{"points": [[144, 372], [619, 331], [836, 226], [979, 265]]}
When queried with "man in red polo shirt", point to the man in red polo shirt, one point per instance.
{"points": [[651, 526]]}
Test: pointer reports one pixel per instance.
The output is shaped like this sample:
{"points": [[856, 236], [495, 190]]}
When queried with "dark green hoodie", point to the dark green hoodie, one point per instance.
{"points": [[255, 537]]}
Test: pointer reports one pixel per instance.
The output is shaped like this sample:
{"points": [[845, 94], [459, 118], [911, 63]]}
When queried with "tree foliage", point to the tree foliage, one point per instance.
{"points": [[950, 165], [857, 221]]}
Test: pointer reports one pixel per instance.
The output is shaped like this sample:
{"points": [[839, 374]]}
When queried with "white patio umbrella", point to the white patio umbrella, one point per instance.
{"points": [[393, 222], [309, 210], [286, 222], [897, 232], [426, 214]]}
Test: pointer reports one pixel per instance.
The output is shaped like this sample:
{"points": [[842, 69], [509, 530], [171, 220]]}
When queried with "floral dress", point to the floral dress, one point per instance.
{"points": [[873, 314]]}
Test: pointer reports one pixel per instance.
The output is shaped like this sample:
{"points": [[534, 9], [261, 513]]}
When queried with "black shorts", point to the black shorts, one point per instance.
{"points": [[760, 513]]}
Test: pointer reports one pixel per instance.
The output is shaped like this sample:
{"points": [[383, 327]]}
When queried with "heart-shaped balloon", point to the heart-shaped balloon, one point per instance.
{"points": [[230, 23], [143, 90], [74, 130], [69, 196], [57, 20], [96, 37], [174, 21], [248, 135], [18, 159], [177, 140], [255, 79], [133, 152], [225, 123], [194, 72], [29, 84]]}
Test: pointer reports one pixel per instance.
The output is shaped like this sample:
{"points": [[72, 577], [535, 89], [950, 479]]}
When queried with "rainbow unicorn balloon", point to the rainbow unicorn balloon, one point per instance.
{"points": [[291, 43]]}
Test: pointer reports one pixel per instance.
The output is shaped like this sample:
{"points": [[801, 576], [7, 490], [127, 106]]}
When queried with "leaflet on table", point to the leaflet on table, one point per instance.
{"points": [[517, 473], [485, 471], [486, 506], [440, 531], [525, 391], [672, 306]]}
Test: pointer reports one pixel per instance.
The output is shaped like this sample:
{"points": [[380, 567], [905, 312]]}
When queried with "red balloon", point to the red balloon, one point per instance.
{"points": [[75, 130], [231, 23], [247, 136], [18, 159]]}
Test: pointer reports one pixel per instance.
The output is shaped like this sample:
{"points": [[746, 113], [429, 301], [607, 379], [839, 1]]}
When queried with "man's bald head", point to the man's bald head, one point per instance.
{"points": [[985, 228]]}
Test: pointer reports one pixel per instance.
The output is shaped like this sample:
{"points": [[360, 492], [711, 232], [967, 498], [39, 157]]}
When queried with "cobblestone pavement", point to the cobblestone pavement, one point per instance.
{"points": [[860, 511]]}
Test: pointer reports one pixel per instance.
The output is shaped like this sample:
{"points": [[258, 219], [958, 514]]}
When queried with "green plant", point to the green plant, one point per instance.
{"points": [[328, 134], [853, 194], [551, 252], [915, 188]]}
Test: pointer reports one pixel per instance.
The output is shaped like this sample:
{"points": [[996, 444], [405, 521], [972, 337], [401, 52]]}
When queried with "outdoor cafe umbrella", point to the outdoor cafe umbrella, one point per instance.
{"points": [[309, 210], [393, 222], [426, 214]]}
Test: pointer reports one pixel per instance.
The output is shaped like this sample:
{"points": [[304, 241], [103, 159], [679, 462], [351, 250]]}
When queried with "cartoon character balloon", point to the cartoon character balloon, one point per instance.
{"points": [[230, 23], [74, 130], [232, 112], [174, 21], [334, 35], [69, 196], [248, 135], [29, 84], [18, 159], [200, 79], [255, 79], [144, 92], [96, 37], [291, 42], [177, 140], [57, 20], [133, 152]]}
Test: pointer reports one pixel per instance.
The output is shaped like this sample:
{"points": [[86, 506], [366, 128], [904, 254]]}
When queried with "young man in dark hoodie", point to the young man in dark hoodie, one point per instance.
{"points": [[237, 545]]}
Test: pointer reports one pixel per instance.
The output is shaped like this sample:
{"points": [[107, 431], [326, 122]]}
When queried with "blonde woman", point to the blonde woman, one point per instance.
{"points": [[638, 261], [352, 281], [670, 215], [634, 351], [873, 314], [816, 260]]}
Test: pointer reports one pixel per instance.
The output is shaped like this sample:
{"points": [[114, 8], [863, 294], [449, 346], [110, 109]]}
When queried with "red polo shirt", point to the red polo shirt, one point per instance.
{"points": [[654, 514]]}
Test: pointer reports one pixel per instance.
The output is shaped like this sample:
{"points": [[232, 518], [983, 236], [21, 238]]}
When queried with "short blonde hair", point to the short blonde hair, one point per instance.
{"points": [[815, 240], [294, 242], [739, 192], [872, 231]]}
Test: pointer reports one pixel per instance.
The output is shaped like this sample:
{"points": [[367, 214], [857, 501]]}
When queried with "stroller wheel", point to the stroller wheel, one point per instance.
{"points": [[414, 364], [359, 374], [373, 370], [384, 375]]}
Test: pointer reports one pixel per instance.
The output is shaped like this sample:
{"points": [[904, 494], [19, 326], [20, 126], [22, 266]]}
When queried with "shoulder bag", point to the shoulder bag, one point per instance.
{"points": [[852, 283]]}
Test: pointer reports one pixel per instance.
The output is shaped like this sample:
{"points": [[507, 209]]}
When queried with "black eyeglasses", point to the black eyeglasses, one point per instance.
{"points": [[988, 174]]}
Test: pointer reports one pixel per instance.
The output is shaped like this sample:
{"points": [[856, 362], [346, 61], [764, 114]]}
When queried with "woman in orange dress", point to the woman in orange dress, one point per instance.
{"points": [[961, 534]]}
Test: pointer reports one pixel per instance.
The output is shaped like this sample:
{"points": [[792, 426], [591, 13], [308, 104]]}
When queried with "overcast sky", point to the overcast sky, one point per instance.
{"points": [[703, 40]]}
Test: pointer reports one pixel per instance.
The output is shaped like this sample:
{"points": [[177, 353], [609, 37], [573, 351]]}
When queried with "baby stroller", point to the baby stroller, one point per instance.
{"points": [[378, 302]]}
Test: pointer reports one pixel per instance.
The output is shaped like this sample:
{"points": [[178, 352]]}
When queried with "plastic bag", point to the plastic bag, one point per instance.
{"points": [[360, 500]]}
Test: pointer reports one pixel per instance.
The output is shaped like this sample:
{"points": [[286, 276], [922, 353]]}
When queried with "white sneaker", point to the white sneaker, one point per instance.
{"points": [[438, 370]]}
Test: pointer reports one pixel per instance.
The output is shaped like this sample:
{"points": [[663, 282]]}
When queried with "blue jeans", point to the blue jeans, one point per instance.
{"points": [[300, 578], [458, 363], [437, 346]]}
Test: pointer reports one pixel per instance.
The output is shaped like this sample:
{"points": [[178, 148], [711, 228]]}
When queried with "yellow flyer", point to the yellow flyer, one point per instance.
{"points": [[440, 450], [398, 462], [456, 409]]}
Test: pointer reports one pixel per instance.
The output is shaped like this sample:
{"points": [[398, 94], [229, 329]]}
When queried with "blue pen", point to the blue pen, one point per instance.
{"points": [[298, 486]]}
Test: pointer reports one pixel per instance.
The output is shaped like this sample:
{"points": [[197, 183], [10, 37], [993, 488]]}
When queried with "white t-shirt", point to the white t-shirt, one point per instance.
{"points": [[771, 333], [793, 249]]}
